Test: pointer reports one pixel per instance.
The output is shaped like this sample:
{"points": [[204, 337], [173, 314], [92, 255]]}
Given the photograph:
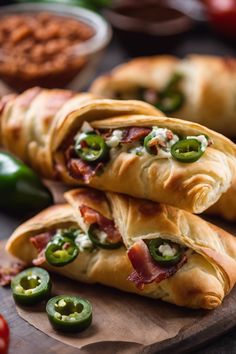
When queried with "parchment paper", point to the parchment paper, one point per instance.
{"points": [[117, 316]]}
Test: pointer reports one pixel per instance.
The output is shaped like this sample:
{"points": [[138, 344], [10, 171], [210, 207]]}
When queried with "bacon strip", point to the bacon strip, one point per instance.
{"points": [[40, 243], [7, 273], [92, 216], [133, 134], [79, 169], [146, 270]]}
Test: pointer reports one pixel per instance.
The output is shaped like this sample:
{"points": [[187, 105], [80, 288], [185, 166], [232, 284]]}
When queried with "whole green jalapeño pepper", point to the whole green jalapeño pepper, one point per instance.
{"points": [[93, 235], [91, 147], [61, 251], [69, 313], [21, 189], [164, 261], [187, 150], [31, 286]]}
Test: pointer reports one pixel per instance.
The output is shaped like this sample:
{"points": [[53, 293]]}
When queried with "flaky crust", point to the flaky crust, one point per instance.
{"points": [[226, 205], [208, 85], [145, 72], [29, 121], [193, 186], [202, 282]]}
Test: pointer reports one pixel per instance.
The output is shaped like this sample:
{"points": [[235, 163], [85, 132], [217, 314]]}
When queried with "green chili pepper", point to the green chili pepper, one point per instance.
{"points": [[171, 98], [187, 150], [69, 313], [92, 233], [154, 245], [172, 85], [170, 102], [91, 147], [31, 286], [61, 251], [21, 189], [146, 142]]}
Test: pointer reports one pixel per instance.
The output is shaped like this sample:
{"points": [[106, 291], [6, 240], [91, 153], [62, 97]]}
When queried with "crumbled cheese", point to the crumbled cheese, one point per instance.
{"points": [[115, 138], [83, 242], [202, 139], [86, 127], [161, 135], [137, 150], [101, 235], [167, 251], [162, 154]]}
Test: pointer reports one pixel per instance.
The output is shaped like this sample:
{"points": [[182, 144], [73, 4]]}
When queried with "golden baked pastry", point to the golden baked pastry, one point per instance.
{"points": [[199, 88], [195, 264], [226, 205]]}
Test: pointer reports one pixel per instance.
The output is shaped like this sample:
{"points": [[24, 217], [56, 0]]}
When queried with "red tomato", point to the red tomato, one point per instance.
{"points": [[4, 335], [222, 14]]}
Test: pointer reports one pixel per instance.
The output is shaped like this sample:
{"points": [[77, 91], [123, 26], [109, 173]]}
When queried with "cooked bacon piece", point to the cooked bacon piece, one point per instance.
{"points": [[40, 258], [7, 273], [79, 169], [92, 216], [133, 134], [146, 270], [40, 243]]}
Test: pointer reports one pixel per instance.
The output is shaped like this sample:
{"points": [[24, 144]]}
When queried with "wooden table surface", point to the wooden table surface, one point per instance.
{"points": [[25, 338]]}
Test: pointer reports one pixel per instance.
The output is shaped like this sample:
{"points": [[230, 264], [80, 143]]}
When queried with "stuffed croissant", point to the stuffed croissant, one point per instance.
{"points": [[27, 121], [131, 244], [199, 88], [119, 146]]}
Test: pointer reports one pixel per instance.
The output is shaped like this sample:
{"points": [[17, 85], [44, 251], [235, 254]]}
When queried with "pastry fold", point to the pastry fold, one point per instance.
{"points": [[207, 84], [201, 282], [38, 124], [190, 186], [226, 205]]}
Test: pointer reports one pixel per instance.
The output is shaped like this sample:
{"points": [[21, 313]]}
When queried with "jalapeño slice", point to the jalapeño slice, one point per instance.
{"points": [[69, 313], [31, 286], [170, 102], [91, 147], [187, 150], [167, 260], [61, 251]]}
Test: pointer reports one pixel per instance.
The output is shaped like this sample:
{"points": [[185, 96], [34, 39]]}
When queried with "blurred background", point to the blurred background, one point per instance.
{"points": [[54, 51]]}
